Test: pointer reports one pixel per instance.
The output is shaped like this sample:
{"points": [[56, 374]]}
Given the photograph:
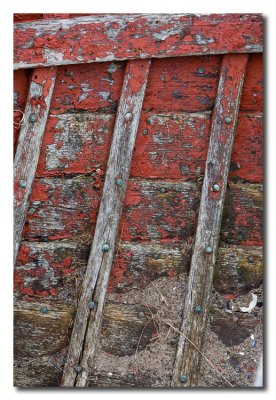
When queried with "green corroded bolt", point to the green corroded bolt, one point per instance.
{"points": [[22, 183], [216, 187], [228, 120], [119, 182], [183, 378], [208, 249], [105, 247], [32, 118], [91, 305], [128, 116], [78, 369], [201, 70], [198, 309], [43, 310], [162, 190]]}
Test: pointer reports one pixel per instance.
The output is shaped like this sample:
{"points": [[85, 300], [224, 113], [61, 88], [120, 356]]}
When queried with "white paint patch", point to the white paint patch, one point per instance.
{"points": [[200, 39], [83, 97], [52, 56], [105, 95]]}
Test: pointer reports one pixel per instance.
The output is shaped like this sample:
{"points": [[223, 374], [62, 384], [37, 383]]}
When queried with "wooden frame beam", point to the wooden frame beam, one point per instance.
{"points": [[197, 301], [90, 307], [28, 149], [134, 36]]}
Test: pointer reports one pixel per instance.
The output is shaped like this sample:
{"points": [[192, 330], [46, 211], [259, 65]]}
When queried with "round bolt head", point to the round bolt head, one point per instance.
{"points": [[43, 310], [228, 120], [119, 182], [128, 116], [208, 249], [32, 118], [91, 305], [183, 378], [174, 117], [145, 132], [78, 369], [22, 183], [105, 247], [162, 190], [216, 187], [200, 70], [198, 309]]}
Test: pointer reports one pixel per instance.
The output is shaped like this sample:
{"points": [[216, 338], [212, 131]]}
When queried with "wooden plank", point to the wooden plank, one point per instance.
{"points": [[87, 324], [197, 301], [27, 154], [121, 37]]}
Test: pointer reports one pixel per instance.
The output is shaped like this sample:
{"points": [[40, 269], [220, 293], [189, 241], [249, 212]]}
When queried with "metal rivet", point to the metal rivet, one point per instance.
{"points": [[145, 132], [250, 259], [105, 247], [201, 70], [216, 187], [162, 190], [91, 305], [128, 116], [129, 376], [22, 183], [183, 378], [119, 182], [78, 369], [174, 117], [80, 118], [32, 118], [228, 120], [43, 310], [198, 309], [208, 249]]}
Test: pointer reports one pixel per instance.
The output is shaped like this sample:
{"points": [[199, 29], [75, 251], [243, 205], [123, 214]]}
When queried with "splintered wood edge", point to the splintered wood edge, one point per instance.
{"points": [[209, 221], [86, 326], [125, 37], [28, 149]]}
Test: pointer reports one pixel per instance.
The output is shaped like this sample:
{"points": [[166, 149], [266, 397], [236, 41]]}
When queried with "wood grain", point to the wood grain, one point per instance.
{"points": [[120, 37], [209, 220], [27, 154], [87, 325]]}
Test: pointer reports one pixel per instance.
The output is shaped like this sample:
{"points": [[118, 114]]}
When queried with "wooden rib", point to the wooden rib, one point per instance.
{"points": [[28, 150], [123, 37], [209, 220], [87, 324]]}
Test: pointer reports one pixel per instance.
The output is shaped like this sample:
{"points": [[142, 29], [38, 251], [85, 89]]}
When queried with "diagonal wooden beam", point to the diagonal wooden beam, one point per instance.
{"points": [[90, 307], [197, 301], [99, 38], [28, 149]]}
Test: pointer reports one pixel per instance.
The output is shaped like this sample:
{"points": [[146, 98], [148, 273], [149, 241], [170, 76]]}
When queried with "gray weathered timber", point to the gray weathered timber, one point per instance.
{"points": [[87, 323], [28, 149], [209, 220]]}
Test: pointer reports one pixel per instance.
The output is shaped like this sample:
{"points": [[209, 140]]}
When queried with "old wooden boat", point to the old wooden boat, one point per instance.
{"points": [[138, 200]]}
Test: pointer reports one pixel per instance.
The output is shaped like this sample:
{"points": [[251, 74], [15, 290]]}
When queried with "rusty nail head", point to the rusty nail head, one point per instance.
{"points": [[22, 183], [208, 249], [105, 247], [43, 310], [228, 120], [119, 182], [216, 187], [32, 118], [128, 116], [198, 309], [183, 378], [78, 369], [145, 132]]}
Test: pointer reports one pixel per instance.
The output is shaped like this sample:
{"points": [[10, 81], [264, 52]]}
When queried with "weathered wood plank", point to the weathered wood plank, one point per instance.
{"points": [[119, 37], [54, 270], [27, 154], [252, 92], [86, 329], [153, 210], [197, 301], [86, 87]]}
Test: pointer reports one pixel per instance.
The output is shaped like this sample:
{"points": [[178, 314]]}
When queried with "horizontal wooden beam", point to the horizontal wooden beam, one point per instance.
{"points": [[124, 37]]}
